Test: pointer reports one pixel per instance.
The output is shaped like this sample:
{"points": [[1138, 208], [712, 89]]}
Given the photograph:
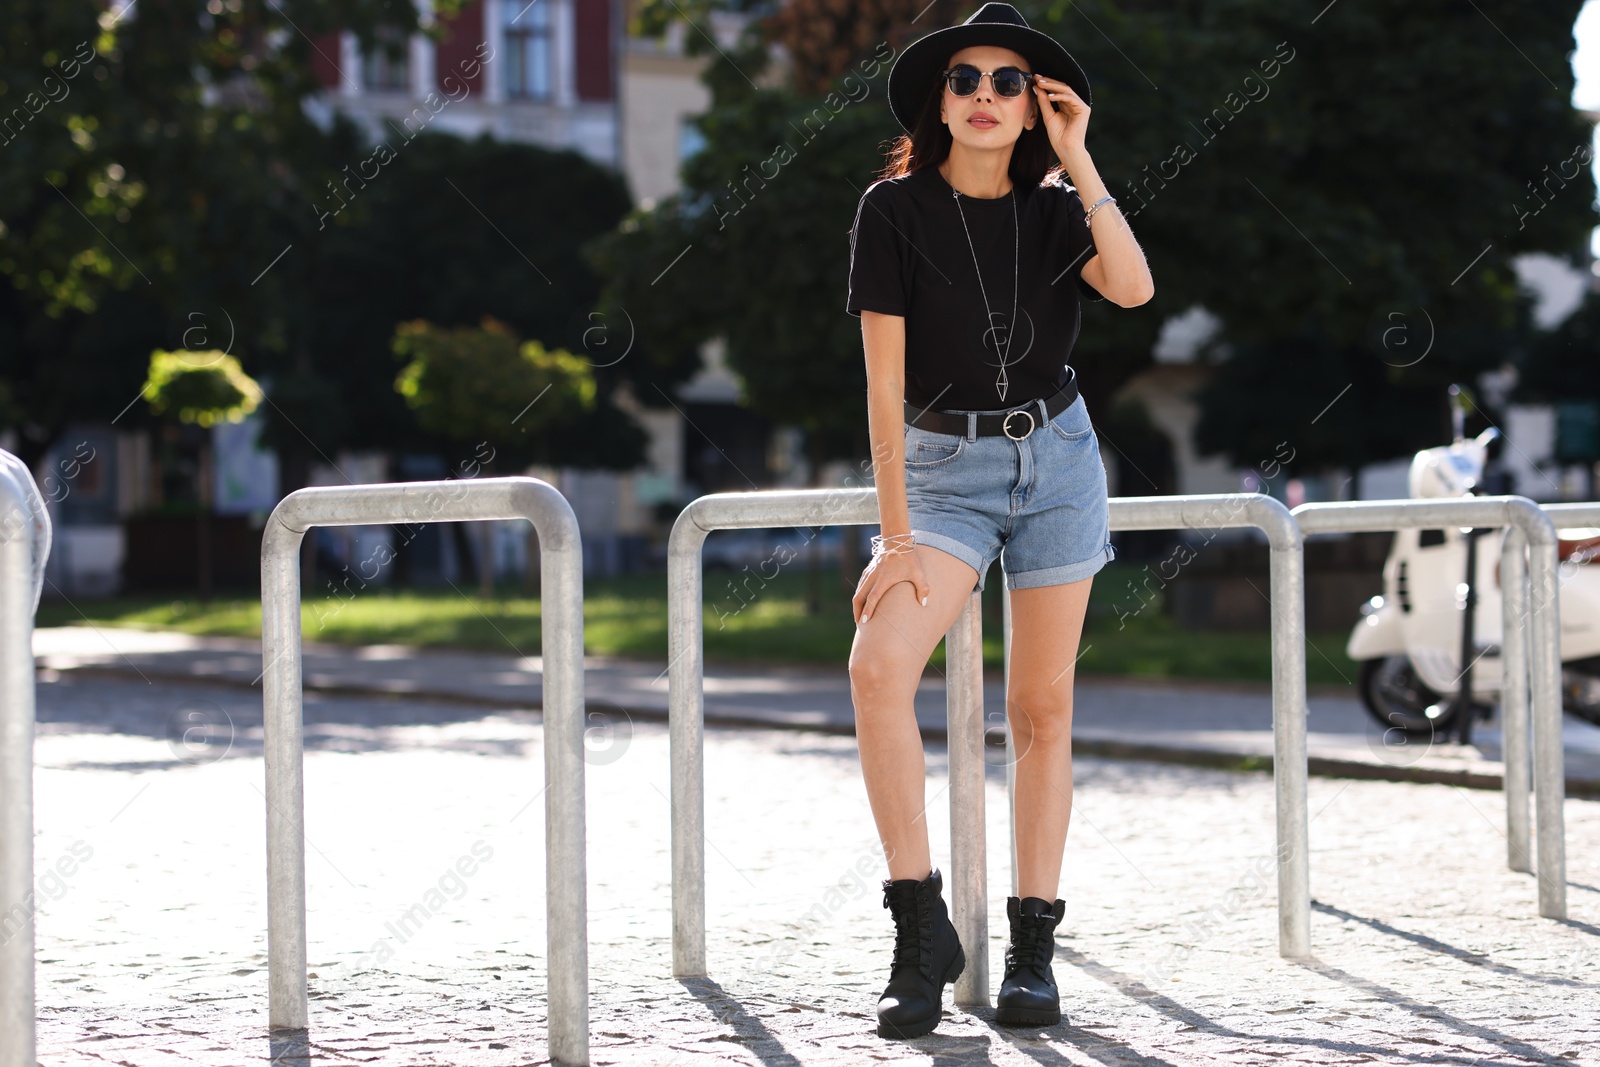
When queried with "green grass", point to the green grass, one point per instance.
{"points": [[756, 621]]}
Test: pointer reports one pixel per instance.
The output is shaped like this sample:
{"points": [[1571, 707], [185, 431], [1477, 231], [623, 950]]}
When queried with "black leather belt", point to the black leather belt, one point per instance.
{"points": [[1017, 423]]}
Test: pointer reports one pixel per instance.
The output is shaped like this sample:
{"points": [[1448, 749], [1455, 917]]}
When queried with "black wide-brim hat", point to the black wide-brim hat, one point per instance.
{"points": [[916, 71]]}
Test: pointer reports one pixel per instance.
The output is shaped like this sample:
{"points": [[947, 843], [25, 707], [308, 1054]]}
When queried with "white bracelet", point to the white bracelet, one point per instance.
{"points": [[1103, 200], [884, 545]]}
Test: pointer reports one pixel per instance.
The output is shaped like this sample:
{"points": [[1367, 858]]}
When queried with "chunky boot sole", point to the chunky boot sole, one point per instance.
{"points": [[1027, 1016], [926, 1025]]}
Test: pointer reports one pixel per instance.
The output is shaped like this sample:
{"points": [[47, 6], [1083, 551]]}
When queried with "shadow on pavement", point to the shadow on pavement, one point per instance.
{"points": [[1435, 945], [202, 724], [1101, 1049], [1134, 989], [1430, 1012], [1587, 928], [730, 1013], [291, 1048]]}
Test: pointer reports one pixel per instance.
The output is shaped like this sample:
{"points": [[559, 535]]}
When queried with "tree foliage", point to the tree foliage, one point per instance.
{"points": [[474, 384], [179, 193], [203, 388], [452, 231]]}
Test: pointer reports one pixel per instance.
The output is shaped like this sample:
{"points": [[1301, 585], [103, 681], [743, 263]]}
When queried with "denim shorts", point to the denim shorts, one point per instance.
{"points": [[1042, 500]]}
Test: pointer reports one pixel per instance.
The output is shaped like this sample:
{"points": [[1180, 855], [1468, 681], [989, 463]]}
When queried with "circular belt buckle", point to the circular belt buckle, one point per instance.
{"points": [[1005, 424]]}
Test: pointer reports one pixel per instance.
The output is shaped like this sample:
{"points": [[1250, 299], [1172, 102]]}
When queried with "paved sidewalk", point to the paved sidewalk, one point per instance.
{"points": [[1194, 722], [152, 934]]}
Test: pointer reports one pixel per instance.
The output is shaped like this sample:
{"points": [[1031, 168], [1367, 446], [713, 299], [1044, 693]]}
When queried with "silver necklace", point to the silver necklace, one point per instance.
{"points": [[1001, 383]]}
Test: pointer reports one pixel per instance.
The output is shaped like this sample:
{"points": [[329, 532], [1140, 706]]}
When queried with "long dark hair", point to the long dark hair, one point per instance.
{"points": [[1033, 160]]}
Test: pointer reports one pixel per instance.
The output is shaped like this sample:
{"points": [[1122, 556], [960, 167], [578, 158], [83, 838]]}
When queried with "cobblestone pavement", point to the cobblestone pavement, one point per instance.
{"points": [[152, 933]]}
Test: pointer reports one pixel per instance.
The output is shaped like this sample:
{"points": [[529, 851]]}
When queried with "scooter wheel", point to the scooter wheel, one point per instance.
{"points": [[1394, 695]]}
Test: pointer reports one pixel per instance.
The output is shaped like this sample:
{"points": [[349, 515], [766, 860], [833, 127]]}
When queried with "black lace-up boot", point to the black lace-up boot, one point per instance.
{"points": [[927, 954], [1028, 995]]}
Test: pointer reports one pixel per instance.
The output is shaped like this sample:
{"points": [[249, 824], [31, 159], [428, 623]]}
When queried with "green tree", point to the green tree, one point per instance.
{"points": [[153, 164], [200, 389], [507, 403], [481, 385], [451, 231]]}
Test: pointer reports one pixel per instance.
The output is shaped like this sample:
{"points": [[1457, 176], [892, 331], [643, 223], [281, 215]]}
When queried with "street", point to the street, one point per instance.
{"points": [[427, 929]]}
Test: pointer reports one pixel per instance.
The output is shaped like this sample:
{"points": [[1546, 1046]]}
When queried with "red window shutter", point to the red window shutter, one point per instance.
{"points": [[593, 30], [460, 47], [325, 59]]}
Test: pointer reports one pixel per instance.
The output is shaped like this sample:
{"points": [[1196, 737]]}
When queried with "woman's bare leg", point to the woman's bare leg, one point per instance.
{"points": [[1046, 626], [886, 661]]}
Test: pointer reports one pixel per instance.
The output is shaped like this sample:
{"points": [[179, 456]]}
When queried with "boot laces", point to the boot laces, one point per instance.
{"points": [[1032, 943], [913, 931]]}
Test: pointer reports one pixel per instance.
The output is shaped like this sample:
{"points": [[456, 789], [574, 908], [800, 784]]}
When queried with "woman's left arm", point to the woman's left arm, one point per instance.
{"points": [[1118, 269]]}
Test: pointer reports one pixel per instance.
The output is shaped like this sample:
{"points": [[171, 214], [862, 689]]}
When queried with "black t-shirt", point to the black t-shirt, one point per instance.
{"points": [[909, 256]]}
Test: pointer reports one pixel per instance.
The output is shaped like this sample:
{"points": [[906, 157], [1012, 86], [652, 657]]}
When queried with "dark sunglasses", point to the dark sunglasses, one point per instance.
{"points": [[963, 80]]}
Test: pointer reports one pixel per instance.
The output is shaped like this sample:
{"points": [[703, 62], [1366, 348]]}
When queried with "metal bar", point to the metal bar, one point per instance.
{"points": [[561, 576], [24, 538], [1291, 767], [969, 882], [1011, 747], [1544, 655], [283, 749], [686, 729], [1514, 696], [824, 507]]}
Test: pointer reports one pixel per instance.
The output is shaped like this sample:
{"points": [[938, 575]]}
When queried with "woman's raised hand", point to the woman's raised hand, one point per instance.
{"points": [[885, 571], [1066, 124]]}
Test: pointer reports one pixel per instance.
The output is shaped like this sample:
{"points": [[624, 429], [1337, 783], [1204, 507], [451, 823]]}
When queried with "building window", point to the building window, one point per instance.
{"points": [[386, 68], [526, 25]]}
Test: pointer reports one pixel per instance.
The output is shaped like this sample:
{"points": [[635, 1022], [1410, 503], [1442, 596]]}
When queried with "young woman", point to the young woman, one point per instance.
{"points": [[968, 260]]}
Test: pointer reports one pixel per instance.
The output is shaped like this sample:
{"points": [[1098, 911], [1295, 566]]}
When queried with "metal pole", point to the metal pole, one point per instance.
{"points": [[1290, 768], [963, 646], [1514, 695], [686, 728], [1544, 660], [561, 574], [1011, 744], [283, 747], [21, 513], [566, 878]]}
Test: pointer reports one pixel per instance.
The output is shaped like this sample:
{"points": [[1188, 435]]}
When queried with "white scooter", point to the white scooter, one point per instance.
{"points": [[1441, 597]]}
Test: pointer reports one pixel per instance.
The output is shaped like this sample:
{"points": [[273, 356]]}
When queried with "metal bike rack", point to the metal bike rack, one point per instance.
{"points": [[1514, 702], [1533, 653], [686, 717], [561, 575], [964, 701], [1286, 573], [24, 545]]}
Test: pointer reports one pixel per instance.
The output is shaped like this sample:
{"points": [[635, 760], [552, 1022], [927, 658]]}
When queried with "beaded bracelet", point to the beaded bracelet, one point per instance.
{"points": [[900, 543], [1097, 203]]}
